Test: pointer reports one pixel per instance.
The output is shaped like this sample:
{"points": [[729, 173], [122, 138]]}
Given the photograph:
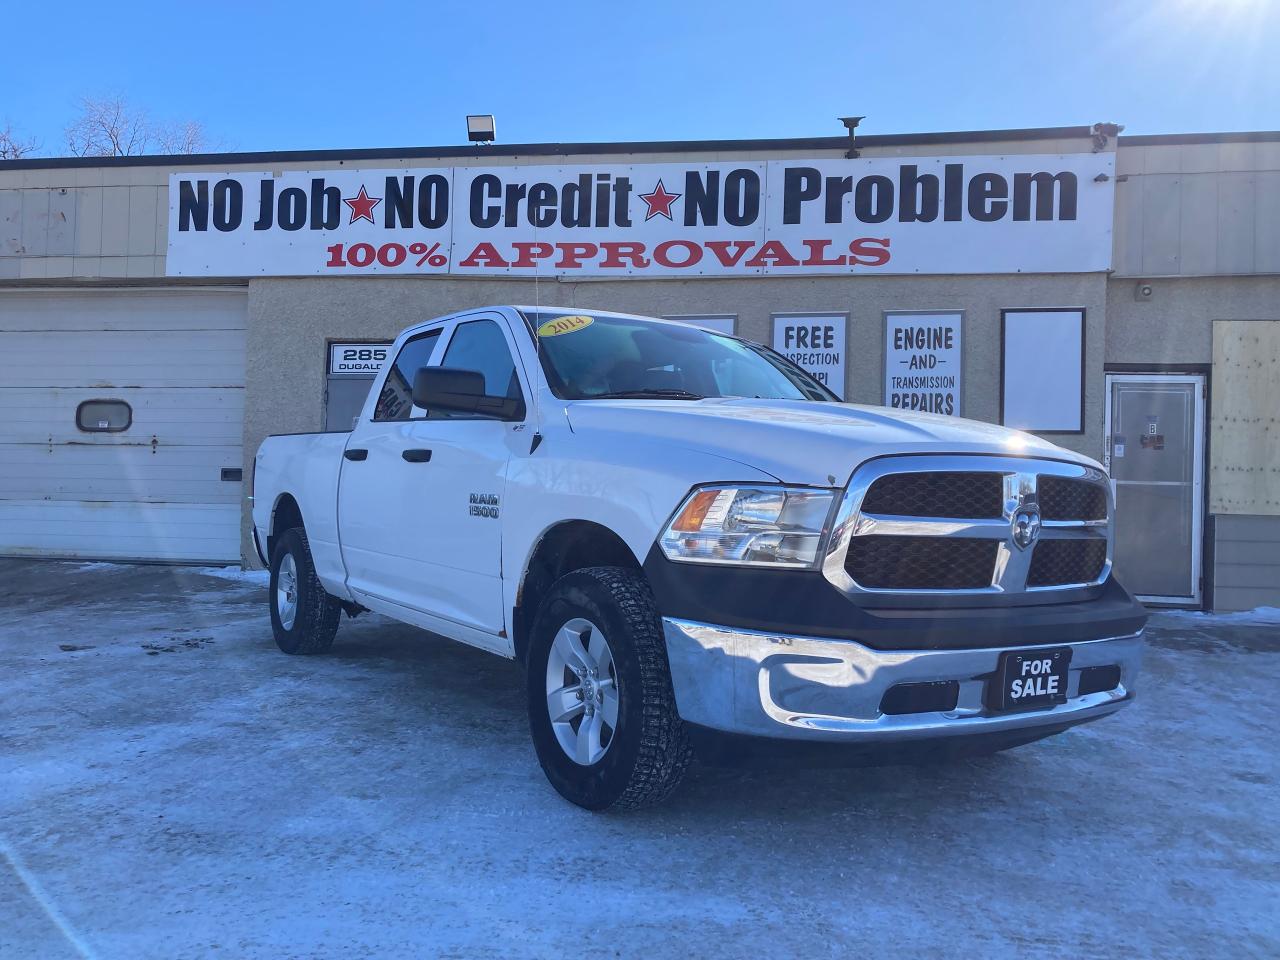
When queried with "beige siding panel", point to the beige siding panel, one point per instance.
{"points": [[33, 268], [1198, 233], [1227, 599], [143, 204], [1266, 258], [35, 223], [1130, 161], [1246, 554], [115, 222], [88, 222], [10, 223], [1161, 223], [1127, 236], [59, 267], [1235, 222], [1247, 529], [62, 223], [1244, 471], [1199, 158], [1237, 156], [1250, 575], [1163, 159], [140, 267]]}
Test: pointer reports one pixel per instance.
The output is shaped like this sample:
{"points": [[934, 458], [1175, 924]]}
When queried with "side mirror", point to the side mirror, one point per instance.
{"points": [[451, 390]]}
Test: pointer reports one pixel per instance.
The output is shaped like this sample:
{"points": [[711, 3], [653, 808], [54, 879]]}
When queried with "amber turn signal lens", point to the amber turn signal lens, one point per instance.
{"points": [[695, 511]]}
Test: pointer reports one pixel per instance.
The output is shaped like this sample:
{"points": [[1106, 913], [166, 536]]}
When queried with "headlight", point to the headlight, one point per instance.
{"points": [[752, 526]]}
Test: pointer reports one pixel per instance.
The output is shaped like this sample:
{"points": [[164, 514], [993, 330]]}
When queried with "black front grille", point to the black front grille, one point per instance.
{"points": [[1061, 562], [945, 493], [1063, 498], [921, 563]]}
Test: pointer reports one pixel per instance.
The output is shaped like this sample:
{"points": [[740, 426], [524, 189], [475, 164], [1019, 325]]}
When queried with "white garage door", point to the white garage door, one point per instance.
{"points": [[119, 412]]}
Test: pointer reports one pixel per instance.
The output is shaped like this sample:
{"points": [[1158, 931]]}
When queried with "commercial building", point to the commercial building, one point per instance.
{"points": [[1120, 295]]}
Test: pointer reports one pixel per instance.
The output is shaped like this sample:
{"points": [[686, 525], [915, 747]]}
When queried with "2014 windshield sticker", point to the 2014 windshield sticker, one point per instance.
{"points": [[563, 325]]}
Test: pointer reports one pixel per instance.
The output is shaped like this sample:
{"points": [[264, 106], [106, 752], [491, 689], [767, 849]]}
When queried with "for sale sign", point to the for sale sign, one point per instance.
{"points": [[923, 362], [1049, 213]]}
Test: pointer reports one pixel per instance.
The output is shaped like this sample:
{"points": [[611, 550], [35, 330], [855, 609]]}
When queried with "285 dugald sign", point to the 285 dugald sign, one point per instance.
{"points": [[1004, 214]]}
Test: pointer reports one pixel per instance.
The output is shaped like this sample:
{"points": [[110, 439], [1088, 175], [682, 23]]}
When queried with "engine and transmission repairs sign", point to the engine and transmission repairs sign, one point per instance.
{"points": [[922, 361], [940, 215]]}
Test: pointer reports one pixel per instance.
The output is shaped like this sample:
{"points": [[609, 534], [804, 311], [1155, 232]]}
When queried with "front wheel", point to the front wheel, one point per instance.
{"points": [[304, 617], [601, 708]]}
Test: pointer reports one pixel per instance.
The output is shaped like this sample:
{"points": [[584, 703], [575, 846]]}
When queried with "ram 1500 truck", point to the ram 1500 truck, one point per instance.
{"points": [[684, 537]]}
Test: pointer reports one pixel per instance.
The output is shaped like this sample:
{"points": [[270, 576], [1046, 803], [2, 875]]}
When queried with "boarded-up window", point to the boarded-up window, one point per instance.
{"points": [[1244, 461]]}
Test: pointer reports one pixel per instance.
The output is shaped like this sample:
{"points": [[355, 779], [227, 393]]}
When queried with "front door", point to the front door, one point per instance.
{"points": [[1155, 454], [420, 497]]}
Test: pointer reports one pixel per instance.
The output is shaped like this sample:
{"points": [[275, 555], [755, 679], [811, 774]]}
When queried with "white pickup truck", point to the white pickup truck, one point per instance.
{"points": [[688, 542]]}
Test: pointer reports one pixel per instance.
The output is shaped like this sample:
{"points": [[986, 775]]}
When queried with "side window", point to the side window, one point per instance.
{"points": [[479, 345], [395, 402], [104, 416]]}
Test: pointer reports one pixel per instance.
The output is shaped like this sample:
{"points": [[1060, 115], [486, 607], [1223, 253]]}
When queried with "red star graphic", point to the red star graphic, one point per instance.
{"points": [[659, 201], [362, 206]]}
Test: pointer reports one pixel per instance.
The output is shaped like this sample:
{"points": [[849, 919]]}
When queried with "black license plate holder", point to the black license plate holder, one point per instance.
{"points": [[1031, 679]]}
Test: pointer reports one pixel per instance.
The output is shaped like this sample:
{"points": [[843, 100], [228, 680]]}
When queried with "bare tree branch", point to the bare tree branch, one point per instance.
{"points": [[108, 127], [188, 137], [15, 147]]}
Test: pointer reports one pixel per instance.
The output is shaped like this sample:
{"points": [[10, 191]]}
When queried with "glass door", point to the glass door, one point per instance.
{"points": [[1155, 454]]}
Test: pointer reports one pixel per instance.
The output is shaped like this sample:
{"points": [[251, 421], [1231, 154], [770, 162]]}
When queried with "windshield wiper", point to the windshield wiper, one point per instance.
{"points": [[661, 393]]}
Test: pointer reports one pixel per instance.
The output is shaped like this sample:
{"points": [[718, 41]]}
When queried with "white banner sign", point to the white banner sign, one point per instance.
{"points": [[923, 362], [815, 342], [939, 215], [357, 359]]}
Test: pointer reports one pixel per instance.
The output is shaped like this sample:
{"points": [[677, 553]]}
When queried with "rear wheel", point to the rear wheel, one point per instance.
{"points": [[601, 710], [304, 618]]}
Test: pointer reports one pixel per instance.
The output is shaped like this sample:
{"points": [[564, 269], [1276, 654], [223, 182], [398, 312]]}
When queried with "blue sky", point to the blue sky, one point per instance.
{"points": [[268, 76]]}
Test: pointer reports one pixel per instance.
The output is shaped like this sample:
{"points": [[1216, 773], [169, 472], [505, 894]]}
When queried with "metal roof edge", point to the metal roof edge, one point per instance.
{"points": [[547, 149]]}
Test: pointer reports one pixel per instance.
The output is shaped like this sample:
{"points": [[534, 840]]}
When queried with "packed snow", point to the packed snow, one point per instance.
{"points": [[173, 786]]}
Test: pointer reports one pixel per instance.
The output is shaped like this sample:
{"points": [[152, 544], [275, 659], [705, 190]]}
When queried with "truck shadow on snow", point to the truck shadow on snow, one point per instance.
{"points": [[471, 696]]}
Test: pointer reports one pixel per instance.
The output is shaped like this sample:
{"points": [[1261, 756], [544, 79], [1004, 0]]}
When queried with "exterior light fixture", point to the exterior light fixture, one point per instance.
{"points": [[480, 128], [851, 124]]}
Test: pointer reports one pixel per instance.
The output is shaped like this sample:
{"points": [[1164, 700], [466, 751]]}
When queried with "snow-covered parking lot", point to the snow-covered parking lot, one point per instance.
{"points": [[173, 786]]}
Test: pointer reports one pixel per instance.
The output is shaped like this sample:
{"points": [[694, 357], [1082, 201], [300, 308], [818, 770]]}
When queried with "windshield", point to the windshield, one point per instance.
{"points": [[589, 356]]}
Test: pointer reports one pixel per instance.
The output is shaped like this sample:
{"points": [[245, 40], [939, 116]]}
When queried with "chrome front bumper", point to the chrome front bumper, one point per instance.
{"points": [[806, 688]]}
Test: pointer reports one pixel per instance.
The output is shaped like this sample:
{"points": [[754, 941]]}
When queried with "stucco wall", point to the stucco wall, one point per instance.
{"points": [[291, 320], [1176, 324]]}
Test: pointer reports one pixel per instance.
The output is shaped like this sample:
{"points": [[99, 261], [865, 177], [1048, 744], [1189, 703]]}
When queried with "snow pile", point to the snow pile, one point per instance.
{"points": [[1269, 616], [262, 577]]}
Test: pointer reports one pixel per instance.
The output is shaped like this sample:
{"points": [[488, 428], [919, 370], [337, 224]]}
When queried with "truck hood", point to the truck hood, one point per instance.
{"points": [[799, 441]]}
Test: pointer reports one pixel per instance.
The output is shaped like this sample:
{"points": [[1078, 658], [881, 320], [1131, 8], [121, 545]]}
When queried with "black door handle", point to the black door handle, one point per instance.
{"points": [[416, 456], [355, 453]]}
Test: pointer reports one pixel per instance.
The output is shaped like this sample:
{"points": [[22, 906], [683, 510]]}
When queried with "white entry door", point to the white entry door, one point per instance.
{"points": [[1155, 454], [121, 418]]}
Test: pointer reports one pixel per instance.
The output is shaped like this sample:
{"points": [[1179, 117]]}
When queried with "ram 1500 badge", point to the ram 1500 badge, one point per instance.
{"points": [[688, 541]]}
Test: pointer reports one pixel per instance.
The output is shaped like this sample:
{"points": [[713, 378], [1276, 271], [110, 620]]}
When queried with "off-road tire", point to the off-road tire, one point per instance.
{"points": [[316, 620], [650, 748]]}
